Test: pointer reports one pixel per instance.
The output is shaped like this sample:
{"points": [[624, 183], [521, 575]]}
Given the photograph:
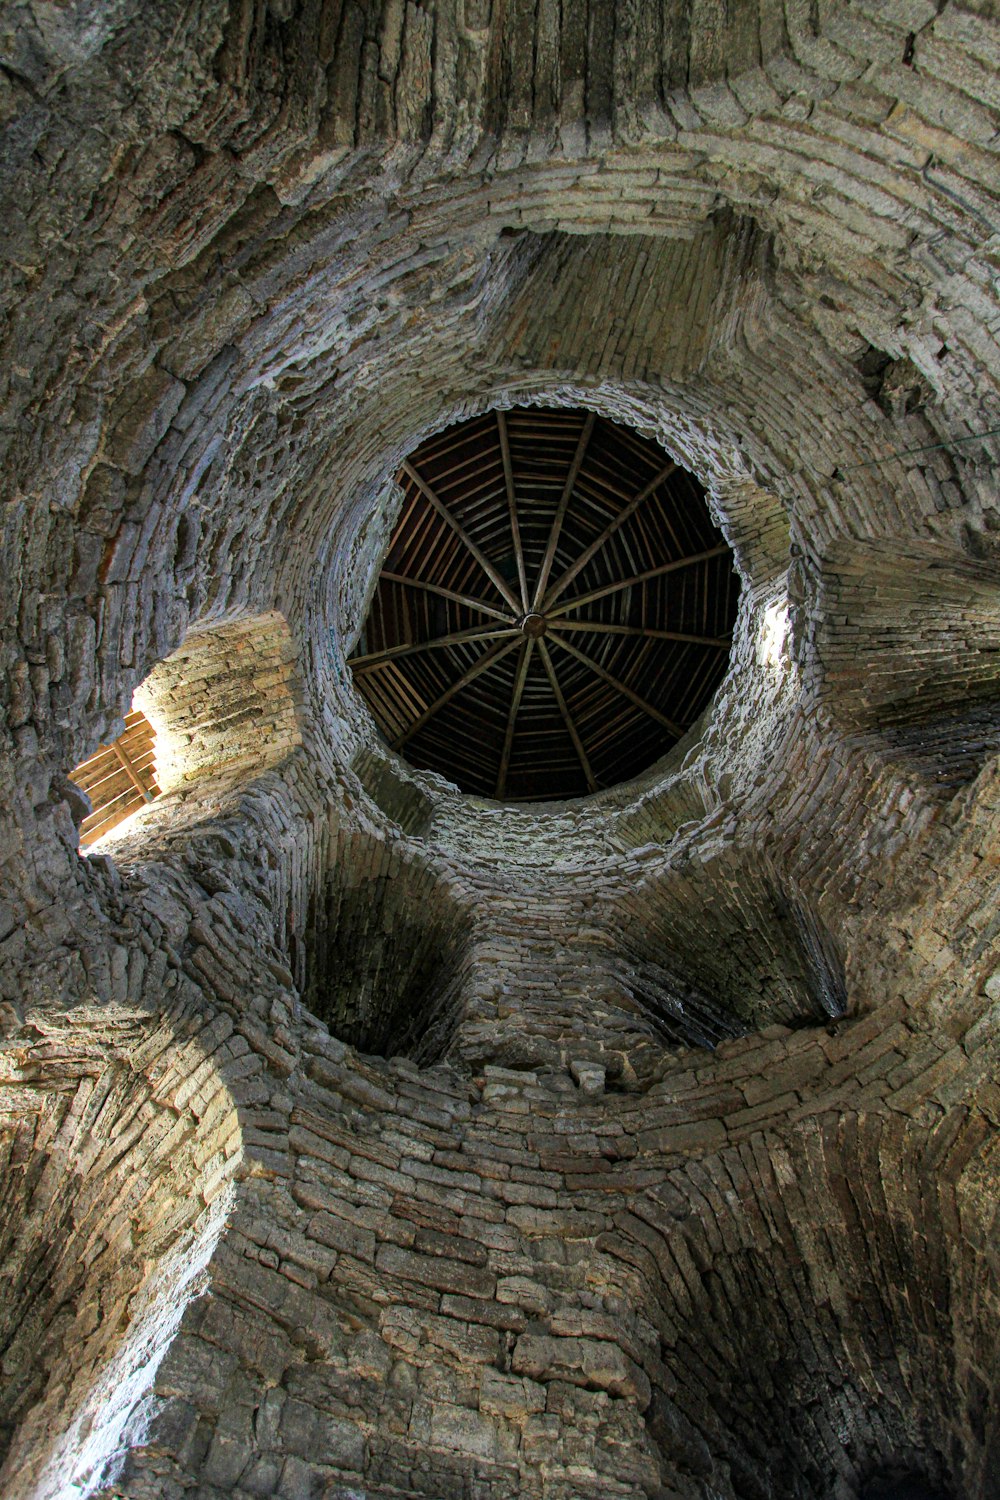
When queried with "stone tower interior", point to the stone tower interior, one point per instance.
{"points": [[365, 1137]]}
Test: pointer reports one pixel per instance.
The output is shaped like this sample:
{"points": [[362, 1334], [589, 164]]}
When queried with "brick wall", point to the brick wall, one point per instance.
{"points": [[672, 1168]]}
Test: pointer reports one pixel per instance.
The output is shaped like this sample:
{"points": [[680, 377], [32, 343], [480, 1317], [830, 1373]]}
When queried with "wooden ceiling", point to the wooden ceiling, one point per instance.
{"points": [[555, 608], [119, 778]]}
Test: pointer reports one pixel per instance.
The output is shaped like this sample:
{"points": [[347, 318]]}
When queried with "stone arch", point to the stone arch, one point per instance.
{"points": [[718, 942], [224, 709], [902, 642], [386, 949], [121, 1142], [797, 1293]]}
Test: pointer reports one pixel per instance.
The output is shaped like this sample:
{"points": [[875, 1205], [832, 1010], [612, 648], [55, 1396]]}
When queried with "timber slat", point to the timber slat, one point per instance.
{"points": [[119, 778], [528, 504]]}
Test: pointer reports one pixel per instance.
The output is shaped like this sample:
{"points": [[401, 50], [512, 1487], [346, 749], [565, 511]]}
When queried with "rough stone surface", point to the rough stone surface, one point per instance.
{"points": [[309, 1187]]}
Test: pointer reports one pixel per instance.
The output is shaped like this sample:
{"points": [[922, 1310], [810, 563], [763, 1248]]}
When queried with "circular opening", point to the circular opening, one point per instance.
{"points": [[555, 608]]}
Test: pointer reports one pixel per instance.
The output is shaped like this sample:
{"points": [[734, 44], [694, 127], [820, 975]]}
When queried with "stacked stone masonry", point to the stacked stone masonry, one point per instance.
{"points": [[364, 1139]]}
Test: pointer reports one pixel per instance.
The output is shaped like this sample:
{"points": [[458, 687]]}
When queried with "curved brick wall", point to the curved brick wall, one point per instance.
{"points": [[671, 1168]]}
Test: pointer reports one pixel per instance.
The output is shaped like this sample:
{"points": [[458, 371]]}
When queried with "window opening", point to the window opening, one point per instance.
{"points": [[119, 778]]}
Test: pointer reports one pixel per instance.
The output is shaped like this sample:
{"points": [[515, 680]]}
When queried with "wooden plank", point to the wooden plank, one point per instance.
{"points": [[630, 509], [136, 745], [434, 588], [515, 704], [459, 530], [138, 732], [622, 687], [90, 835], [131, 772], [111, 779], [567, 716], [377, 659], [97, 769], [515, 529], [493, 655], [119, 778], [110, 814], [720, 643], [553, 542], [612, 588]]}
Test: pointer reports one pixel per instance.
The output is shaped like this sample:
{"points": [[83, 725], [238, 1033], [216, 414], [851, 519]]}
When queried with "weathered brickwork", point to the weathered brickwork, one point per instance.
{"points": [[362, 1140], [224, 703]]}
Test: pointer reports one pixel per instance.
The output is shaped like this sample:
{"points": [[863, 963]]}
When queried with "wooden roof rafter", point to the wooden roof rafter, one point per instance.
{"points": [[532, 502]]}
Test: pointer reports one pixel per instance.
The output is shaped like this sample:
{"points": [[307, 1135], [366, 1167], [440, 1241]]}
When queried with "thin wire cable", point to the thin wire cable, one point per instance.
{"points": [[924, 448]]}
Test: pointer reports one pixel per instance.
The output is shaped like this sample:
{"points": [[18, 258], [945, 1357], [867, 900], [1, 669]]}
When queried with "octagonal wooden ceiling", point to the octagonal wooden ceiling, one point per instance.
{"points": [[555, 608]]}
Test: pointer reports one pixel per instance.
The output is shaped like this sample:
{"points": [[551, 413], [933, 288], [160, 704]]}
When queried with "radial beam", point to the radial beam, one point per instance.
{"points": [[375, 659], [561, 508], [515, 529], [515, 704], [613, 588], [567, 716], [599, 627], [621, 687], [436, 588], [633, 505], [487, 660], [498, 583], [125, 761]]}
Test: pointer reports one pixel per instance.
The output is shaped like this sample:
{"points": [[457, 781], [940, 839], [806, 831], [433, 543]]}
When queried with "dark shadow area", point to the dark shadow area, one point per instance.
{"points": [[950, 751], [721, 947], [899, 1484], [384, 956], [902, 641]]}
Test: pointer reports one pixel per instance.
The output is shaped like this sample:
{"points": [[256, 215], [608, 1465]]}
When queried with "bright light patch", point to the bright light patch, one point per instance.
{"points": [[169, 751], [771, 650]]}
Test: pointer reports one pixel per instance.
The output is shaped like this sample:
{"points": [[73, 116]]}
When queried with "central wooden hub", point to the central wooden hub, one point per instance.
{"points": [[533, 625]]}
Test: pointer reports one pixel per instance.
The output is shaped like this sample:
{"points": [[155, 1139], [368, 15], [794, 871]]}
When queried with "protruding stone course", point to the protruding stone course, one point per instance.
{"points": [[671, 1173]]}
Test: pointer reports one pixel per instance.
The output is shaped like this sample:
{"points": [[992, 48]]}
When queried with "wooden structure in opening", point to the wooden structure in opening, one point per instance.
{"points": [[119, 778], [555, 608]]}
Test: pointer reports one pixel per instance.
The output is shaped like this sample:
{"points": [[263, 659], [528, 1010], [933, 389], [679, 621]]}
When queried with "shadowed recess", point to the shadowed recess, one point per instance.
{"points": [[758, 950], [385, 949], [896, 1485]]}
